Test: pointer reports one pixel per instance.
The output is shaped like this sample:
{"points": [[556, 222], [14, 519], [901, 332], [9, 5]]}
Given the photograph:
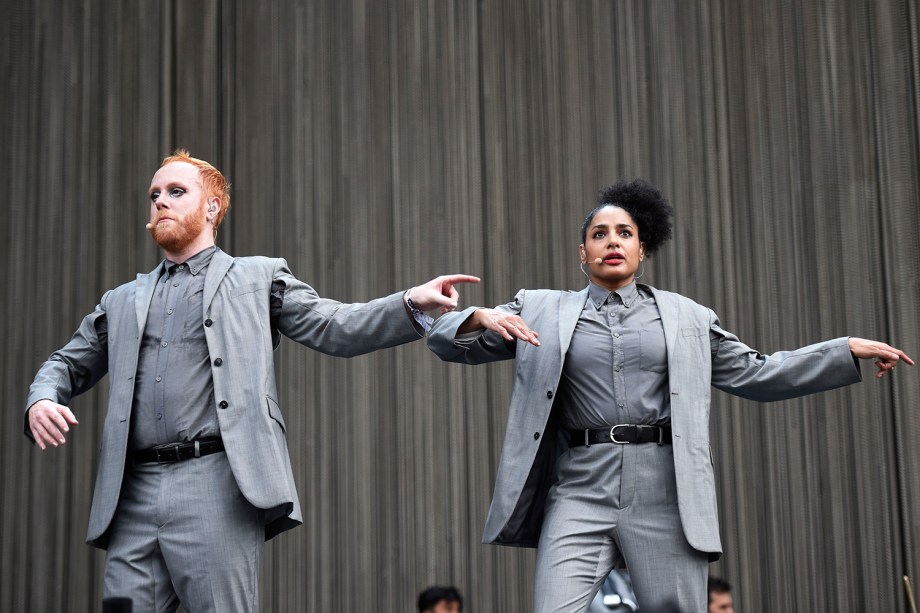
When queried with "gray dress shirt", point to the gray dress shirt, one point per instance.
{"points": [[616, 368], [173, 392]]}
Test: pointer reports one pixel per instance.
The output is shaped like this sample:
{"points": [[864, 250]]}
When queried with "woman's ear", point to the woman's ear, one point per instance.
{"points": [[581, 252]]}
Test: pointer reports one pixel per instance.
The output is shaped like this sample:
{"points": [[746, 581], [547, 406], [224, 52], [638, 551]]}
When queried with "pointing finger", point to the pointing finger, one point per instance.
{"points": [[459, 279]]}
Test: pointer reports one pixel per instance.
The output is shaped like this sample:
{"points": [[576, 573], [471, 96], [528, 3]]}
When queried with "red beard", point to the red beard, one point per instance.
{"points": [[176, 236]]}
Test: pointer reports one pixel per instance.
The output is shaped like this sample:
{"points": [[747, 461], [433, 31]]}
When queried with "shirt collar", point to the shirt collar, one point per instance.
{"points": [[598, 295], [197, 262]]}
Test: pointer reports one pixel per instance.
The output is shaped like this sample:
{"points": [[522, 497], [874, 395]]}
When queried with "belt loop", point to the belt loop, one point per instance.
{"points": [[198, 449], [587, 438], [660, 436]]}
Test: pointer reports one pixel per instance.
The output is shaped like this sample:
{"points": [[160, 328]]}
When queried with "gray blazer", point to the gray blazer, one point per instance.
{"points": [[238, 329], [527, 466]]}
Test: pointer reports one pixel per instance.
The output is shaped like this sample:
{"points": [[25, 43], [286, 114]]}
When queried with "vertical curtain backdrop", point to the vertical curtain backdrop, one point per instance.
{"points": [[376, 144]]}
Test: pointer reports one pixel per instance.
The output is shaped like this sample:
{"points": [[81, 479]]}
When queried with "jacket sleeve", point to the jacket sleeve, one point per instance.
{"points": [[76, 367], [337, 328], [477, 347], [742, 371]]}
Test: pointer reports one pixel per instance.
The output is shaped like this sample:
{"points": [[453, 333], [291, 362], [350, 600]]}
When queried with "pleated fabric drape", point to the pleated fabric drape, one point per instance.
{"points": [[377, 144]]}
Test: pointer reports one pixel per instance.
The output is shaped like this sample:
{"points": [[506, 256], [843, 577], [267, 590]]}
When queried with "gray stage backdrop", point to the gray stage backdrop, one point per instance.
{"points": [[376, 144]]}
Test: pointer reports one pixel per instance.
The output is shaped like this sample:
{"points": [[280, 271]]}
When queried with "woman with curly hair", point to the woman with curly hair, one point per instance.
{"points": [[606, 459]]}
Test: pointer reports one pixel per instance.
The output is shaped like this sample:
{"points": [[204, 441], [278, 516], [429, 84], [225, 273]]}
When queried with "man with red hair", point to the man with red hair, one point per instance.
{"points": [[194, 473]]}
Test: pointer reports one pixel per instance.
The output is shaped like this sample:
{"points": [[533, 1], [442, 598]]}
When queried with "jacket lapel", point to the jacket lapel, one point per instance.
{"points": [[570, 307], [143, 293], [217, 269]]}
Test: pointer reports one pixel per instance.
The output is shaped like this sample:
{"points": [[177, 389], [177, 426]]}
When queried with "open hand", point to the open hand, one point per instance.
{"points": [[48, 422], [509, 326]]}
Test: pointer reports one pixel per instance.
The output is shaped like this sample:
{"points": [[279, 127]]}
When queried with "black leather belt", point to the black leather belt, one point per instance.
{"points": [[177, 452], [622, 434]]}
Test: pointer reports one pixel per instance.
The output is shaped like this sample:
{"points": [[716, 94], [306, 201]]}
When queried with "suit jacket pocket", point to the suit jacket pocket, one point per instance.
{"points": [[274, 411], [248, 288], [697, 336]]}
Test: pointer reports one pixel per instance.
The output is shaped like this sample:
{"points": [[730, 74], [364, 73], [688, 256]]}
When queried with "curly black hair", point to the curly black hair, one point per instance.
{"points": [[645, 204]]}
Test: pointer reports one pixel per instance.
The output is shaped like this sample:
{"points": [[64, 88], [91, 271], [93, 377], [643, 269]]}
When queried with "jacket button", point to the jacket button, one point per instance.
{"points": [[218, 362], [208, 322], [549, 393], [223, 404], [536, 436]]}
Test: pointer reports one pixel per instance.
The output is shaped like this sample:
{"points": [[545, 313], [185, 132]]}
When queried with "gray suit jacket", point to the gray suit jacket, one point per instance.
{"points": [[527, 466], [239, 330]]}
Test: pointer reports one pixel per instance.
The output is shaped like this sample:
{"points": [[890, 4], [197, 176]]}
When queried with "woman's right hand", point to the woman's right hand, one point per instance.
{"points": [[509, 326]]}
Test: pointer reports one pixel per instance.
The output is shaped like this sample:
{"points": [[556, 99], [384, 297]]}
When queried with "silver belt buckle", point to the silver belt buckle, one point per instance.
{"points": [[168, 453], [613, 434]]}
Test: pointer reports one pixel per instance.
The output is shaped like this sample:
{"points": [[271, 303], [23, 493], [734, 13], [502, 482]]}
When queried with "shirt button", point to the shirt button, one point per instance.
{"points": [[616, 368], [549, 393], [175, 285], [164, 343], [159, 416], [218, 362], [169, 311], [536, 436], [223, 404], [181, 266], [159, 378], [616, 334], [620, 404], [208, 322]]}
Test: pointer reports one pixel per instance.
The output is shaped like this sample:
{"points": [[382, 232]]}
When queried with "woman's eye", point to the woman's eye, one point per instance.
{"points": [[625, 233], [176, 192], [154, 196], [600, 234]]}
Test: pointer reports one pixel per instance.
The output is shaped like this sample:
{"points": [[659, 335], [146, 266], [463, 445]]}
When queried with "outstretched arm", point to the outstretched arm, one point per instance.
{"points": [[350, 329], [886, 357], [479, 335]]}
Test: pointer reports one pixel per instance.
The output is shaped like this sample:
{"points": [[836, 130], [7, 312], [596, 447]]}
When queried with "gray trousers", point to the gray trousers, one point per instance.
{"points": [[617, 504], [184, 533]]}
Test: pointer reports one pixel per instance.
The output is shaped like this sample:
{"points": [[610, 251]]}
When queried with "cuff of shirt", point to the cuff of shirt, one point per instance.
{"points": [[421, 318]]}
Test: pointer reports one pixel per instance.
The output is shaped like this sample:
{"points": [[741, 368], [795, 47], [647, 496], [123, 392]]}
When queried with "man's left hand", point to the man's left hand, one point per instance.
{"points": [[439, 293]]}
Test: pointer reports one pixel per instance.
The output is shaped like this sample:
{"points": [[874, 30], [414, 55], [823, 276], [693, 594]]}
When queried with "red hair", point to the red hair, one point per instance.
{"points": [[212, 181]]}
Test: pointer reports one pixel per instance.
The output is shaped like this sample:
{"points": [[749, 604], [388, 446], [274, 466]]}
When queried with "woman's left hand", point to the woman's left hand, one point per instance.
{"points": [[886, 357]]}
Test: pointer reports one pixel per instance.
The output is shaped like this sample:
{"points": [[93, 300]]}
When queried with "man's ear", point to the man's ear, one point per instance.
{"points": [[213, 204]]}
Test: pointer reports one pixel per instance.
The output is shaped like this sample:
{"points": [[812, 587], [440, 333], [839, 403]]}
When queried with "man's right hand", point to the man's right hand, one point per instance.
{"points": [[48, 422]]}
